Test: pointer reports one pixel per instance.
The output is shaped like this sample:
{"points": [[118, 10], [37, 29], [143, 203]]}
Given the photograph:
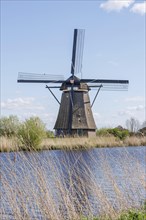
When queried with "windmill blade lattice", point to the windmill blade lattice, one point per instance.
{"points": [[77, 51], [39, 78]]}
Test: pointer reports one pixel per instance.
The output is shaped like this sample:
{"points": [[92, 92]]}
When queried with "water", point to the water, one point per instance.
{"points": [[39, 185]]}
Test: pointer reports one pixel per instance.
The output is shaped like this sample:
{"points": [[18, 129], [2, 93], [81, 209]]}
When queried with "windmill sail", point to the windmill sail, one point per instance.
{"points": [[77, 51], [75, 115], [39, 78], [107, 84]]}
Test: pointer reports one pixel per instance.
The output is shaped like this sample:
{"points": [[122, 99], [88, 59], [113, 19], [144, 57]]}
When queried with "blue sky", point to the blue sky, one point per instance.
{"points": [[37, 36]]}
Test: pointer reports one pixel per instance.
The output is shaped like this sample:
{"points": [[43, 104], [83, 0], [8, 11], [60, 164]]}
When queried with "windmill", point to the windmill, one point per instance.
{"points": [[75, 115]]}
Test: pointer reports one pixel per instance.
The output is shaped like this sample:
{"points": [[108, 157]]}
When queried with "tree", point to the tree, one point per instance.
{"points": [[133, 124], [9, 126], [32, 132]]}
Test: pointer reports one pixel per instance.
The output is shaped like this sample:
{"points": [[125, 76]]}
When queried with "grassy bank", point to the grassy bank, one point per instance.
{"points": [[33, 135], [14, 144], [87, 143]]}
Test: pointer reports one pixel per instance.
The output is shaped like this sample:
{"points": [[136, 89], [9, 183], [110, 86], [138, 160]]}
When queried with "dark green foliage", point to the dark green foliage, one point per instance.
{"points": [[121, 134], [9, 126], [129, 215], [133, 215], [116, 132], [32, 132]]}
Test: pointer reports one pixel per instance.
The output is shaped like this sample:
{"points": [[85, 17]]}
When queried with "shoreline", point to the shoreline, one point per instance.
{"points": [[13, 144]]}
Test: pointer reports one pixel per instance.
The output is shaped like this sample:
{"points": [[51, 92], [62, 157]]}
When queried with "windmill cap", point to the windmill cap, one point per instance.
{"points": [[72, 80]]}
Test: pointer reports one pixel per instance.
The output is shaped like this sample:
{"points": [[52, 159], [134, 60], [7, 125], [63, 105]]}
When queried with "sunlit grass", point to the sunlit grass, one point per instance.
{"points": [[14, 144], [9, 144]]}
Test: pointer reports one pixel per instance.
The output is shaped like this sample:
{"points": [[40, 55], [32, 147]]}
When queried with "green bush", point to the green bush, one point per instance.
{"points": [[121, 134], [31, 133], [9, 126], [102, 132], [116, 132]]}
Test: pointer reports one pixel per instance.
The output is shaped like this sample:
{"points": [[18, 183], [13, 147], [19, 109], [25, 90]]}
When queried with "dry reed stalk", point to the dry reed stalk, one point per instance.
{"points": [[14, 144], [135, 141], [79, 143], [51, 188], [9, 144], [87, 143]]}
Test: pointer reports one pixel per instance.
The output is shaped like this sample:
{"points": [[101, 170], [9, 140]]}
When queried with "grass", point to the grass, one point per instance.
{"points": [[131, 214], [42, 185], [9, 144], [87, 143], [14, 144]]}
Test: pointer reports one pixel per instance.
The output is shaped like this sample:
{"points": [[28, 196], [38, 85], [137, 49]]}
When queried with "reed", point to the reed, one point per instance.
{"points": [[39, 186], [135, 141], [79, 142], [14, 143], [8, 144]]}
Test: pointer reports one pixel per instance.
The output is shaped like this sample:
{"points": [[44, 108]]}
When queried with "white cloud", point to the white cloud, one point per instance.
{"points": [[132, 110], [125, 113], [136, 108], [27, 115], [27, 107], [135, 99], [139, 8], [21, 103], [116, 5]]}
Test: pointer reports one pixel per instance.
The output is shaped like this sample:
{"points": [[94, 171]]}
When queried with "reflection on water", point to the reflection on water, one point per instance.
{"points": [[59, 184]]}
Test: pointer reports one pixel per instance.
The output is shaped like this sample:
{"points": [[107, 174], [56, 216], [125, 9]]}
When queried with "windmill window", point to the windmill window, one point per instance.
{"points": [[79, 119]]}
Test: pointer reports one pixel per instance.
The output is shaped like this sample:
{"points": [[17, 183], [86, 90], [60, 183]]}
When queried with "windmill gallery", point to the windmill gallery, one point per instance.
{"points": [[75, 115]]}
